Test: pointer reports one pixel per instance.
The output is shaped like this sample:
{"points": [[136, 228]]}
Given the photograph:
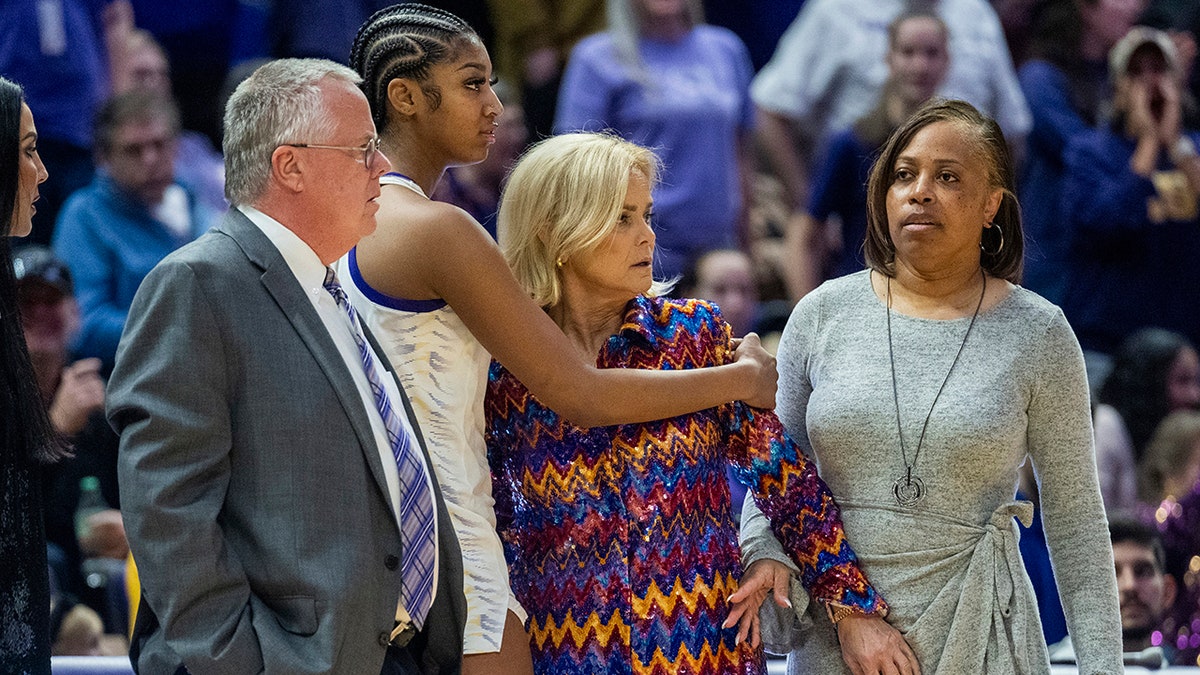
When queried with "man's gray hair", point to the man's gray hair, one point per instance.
{"points": [[279, 103]]}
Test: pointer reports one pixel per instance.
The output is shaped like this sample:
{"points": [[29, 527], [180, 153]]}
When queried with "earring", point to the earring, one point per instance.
{"points": [[999, 232], [558, 263]]}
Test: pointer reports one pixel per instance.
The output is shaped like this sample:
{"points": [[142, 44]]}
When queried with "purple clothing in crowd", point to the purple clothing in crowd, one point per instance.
{"points": [[690, 104]]}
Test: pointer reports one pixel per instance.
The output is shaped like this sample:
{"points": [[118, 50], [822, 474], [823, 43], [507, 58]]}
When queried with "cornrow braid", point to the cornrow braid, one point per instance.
{"points": [[405, 40]]}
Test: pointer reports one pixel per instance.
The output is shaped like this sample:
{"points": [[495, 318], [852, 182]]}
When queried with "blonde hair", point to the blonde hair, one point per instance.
{"points": [[562, 199], [1169, 449]]}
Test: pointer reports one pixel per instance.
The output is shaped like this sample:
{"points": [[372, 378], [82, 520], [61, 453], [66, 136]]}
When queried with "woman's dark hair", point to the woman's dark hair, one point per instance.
{"points": [[405, 41], [25, 431], [1137, 385], [985, 134]]}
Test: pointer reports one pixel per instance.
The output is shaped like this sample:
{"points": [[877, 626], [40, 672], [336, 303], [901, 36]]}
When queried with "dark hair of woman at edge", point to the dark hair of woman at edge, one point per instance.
{"points": [[1137, 384], [27, 434]]}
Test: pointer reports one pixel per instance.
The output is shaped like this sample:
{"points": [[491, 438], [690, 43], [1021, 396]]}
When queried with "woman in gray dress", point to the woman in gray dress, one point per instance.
{"points": [[920, 385]]}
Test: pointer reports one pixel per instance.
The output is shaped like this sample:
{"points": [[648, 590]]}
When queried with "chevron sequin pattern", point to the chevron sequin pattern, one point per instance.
{"points": [[620, 541]]}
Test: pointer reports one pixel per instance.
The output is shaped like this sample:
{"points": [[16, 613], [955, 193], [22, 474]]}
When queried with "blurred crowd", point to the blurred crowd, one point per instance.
{"points": [[766, 114]]}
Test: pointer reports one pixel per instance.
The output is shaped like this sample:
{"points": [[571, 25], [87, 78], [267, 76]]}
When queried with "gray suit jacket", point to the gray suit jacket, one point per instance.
{"points": [[253, 492]]}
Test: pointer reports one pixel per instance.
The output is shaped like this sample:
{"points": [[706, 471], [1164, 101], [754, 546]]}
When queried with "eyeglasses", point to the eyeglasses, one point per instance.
{"points": [[368, 150]]}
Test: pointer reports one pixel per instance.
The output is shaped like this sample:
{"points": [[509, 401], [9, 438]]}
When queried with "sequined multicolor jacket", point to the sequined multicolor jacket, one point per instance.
{"points": [[619, 540]]}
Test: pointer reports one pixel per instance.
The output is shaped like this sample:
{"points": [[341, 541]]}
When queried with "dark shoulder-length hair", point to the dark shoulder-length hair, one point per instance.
{"points": [[25, 431], [1137, 384], [985, 134]]}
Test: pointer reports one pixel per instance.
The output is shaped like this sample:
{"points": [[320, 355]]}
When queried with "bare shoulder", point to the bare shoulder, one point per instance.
{"points": [[406, 218], [414, 239]]}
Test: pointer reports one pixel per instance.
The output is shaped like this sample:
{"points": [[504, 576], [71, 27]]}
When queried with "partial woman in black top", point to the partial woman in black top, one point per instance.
{"points": [[26, 439]]}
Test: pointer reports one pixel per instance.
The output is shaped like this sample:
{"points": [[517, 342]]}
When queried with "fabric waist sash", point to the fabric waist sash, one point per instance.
{"points": [[956, 589]]}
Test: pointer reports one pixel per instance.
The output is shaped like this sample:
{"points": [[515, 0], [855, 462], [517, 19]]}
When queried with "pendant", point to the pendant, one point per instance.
{"points": [[908, 490]]}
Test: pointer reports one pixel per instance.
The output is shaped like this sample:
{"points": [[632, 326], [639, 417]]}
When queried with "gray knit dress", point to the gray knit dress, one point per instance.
{"points": [[948, 566]]}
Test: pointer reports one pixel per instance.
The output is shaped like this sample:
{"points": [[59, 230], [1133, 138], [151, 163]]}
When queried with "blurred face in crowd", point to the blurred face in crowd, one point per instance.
{"points": [[1146, 593], [1109, 20], [727, 278], [1147, 76], [1183, 380], [1184, 478], [80, 633], [148, 68], [141, 159], [651, 11], [918, 58], [49, 319], [30, 173]]}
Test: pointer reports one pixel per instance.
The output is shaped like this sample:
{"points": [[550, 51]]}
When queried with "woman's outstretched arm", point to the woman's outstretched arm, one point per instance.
{"points": [[453, 258]]}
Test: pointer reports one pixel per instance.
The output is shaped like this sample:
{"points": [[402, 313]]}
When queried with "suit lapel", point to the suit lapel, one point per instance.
{"points": [[281, 283]]}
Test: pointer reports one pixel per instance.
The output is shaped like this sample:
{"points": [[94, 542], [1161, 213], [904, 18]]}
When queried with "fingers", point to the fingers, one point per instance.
{"points": [[755, 631], [780, 590], [91, 365], [735, 618], [745, 590], [911, 666], [83, 369], [745, 626]]}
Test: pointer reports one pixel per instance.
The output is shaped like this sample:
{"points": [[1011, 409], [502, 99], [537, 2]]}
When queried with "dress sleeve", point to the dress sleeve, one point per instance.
{"points": [[755, 536], [1059, 437], [802, 512]]}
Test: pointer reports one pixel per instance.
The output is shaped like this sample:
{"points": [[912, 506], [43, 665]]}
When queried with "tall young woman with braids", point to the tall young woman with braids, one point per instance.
{"points": [[436, 291], [26, 438]]}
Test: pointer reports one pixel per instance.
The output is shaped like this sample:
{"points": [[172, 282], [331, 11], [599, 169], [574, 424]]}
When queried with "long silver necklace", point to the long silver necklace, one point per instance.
{"points": [[909, 489]]}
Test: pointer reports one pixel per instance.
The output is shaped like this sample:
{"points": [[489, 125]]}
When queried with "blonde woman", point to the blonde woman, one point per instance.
{"points": [[619, 539]]}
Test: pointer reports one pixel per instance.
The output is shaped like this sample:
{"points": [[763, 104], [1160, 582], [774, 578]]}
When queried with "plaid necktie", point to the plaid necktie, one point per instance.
{"points": [[416, 500]]}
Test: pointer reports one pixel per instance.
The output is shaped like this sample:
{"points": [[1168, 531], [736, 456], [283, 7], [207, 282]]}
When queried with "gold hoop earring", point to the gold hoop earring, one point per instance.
{"points": [[1000, 232]]}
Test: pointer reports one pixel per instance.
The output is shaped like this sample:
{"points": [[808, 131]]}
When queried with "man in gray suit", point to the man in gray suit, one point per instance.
{"points": [[272, 494]]}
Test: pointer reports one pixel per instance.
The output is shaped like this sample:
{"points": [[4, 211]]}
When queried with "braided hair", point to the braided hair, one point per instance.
{"points": [[405, 40]]}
